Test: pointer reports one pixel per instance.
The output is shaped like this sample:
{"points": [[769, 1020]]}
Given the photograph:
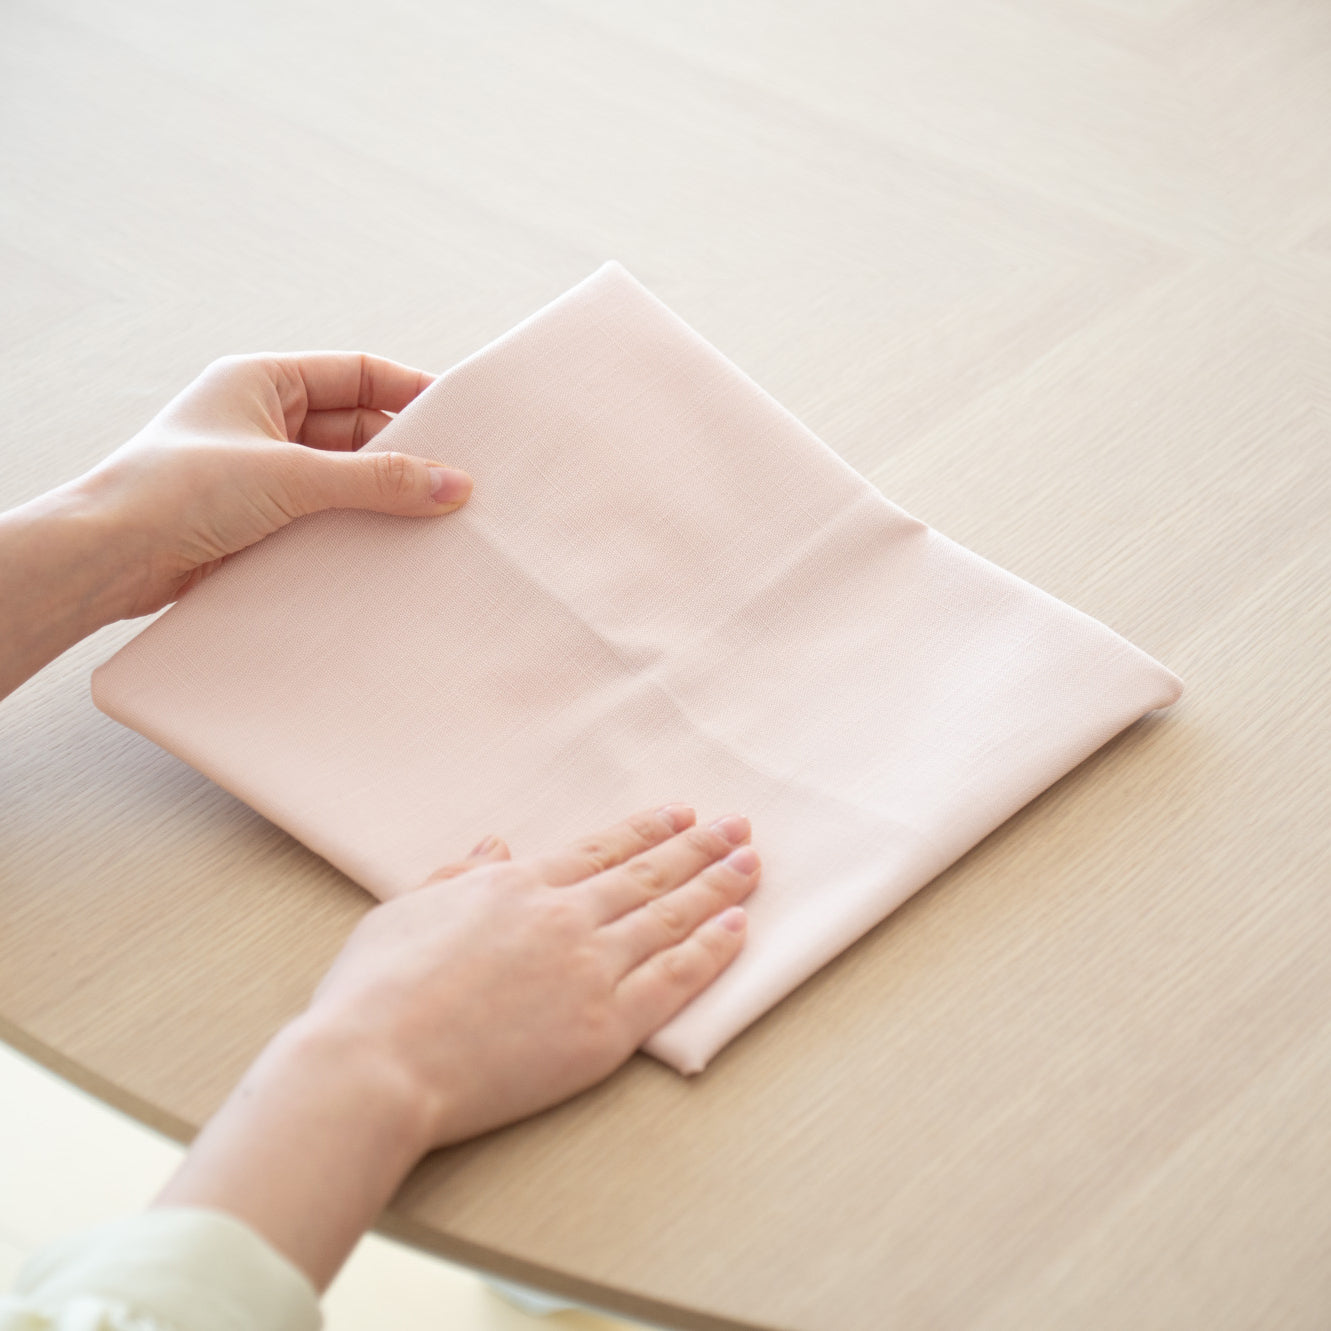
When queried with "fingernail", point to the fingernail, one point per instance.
{"points": [[677, 815], [448, 486], [734, 827], [743, 860], [734, 918], [489, 843]]}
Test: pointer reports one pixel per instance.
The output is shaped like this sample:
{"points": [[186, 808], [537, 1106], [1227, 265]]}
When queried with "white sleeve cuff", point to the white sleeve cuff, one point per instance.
{"points": [[188, 1269]]}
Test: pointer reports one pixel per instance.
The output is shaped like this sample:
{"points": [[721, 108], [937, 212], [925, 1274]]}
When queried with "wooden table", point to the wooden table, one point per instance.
{"points": [[1054, 274]]}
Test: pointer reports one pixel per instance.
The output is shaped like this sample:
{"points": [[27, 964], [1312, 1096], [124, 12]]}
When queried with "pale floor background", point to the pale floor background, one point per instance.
{"points": [[68, 1161]]}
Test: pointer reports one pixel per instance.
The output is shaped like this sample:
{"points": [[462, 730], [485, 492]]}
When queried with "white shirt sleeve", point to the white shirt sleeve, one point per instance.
{"points": [[169, 1269]]}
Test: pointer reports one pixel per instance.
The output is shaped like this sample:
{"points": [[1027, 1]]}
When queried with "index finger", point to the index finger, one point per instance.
{"points": [[335, 379], [603, 850]]}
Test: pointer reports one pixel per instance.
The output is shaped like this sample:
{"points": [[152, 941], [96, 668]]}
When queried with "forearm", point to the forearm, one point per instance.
{"points": [[309, 1147], [63, 575]]}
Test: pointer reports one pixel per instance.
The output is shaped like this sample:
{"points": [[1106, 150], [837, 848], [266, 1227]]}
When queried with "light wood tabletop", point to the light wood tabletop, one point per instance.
{"points": [[1056, 276]]}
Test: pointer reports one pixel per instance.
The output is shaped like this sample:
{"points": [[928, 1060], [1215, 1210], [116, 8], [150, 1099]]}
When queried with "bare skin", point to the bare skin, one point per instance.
{"points": [[496, 989], [252, 443]]}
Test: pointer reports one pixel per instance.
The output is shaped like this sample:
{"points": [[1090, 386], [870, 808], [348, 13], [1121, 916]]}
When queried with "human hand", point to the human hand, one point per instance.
{"points": [[252, 443], [507, 986], [497, 988]]}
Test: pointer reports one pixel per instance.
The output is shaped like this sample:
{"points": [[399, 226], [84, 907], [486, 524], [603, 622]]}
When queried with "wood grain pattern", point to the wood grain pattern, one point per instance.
{"points": [[1054, 274]]}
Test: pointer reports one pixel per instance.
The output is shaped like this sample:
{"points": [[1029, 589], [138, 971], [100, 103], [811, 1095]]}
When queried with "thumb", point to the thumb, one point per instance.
{"points": [[381, 482], [490, 850]]}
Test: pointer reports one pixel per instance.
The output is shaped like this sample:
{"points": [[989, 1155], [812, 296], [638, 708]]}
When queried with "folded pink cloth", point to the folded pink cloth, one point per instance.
{"points": [[664, 588]]}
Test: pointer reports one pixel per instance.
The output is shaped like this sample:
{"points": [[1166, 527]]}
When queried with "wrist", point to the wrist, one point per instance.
{"points": [[317, 1051], [310, 1146], [63, 576], [96, 504]]}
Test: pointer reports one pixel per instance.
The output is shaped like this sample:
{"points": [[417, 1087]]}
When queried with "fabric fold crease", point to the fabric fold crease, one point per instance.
{"points": [[663, 588]]}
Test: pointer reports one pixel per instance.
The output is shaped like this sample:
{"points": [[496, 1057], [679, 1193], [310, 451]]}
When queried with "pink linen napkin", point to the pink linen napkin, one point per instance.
{"points": [[664, 588]]}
